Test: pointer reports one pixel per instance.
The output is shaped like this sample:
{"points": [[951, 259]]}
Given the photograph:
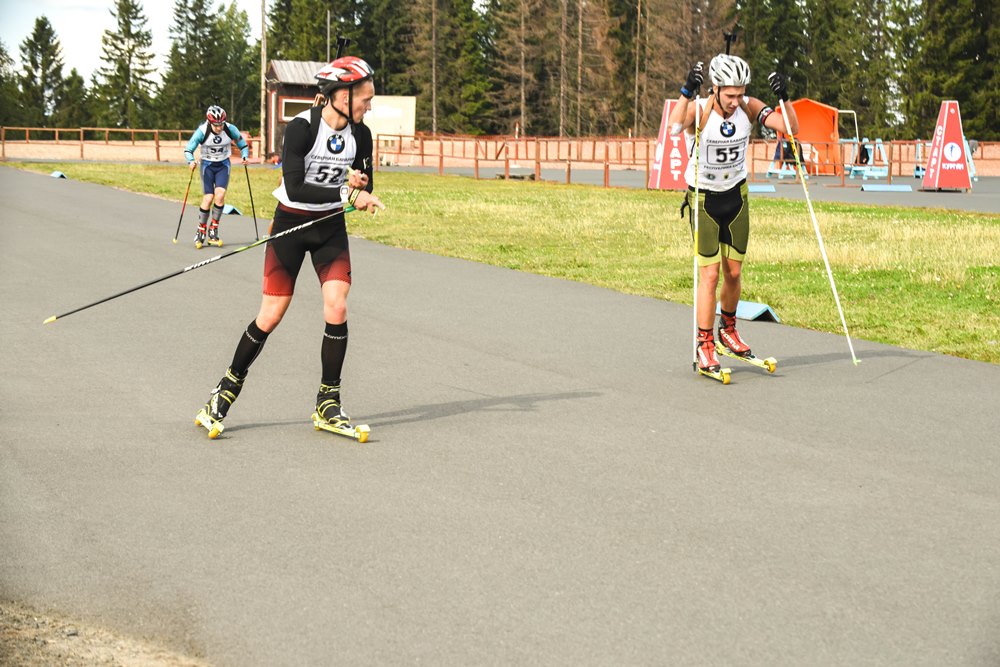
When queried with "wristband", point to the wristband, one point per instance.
{"points": [[686, 93], [353, 197]]}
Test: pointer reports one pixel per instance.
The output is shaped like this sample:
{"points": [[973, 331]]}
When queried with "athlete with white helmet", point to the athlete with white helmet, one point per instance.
{"points": [[216, 137], [726, 118], [326, 164]]}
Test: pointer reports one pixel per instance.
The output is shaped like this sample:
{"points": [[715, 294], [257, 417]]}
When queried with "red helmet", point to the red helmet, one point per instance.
{"points": [[215, 114], [343, 73]]}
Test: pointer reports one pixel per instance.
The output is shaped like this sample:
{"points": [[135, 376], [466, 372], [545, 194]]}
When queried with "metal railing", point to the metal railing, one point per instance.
{"points": [[147, 143]]}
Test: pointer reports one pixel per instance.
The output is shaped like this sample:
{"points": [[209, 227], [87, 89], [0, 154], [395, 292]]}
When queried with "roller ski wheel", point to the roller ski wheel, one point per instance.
{"points": [[770, 364], [199, 240], [216, 242], [213, 426], [359, 432], [723, 375]]}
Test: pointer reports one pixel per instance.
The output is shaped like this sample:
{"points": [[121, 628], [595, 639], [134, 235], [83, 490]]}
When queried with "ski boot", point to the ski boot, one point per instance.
{"points": [[729, 337], [199, 237], [213, 236], [330, 415], [731, 345], [708, 364], [219, 402]]}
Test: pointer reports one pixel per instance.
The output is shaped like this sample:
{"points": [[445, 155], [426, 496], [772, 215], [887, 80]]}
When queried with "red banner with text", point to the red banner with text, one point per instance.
{"points": [[670, 161], [947, 164]]}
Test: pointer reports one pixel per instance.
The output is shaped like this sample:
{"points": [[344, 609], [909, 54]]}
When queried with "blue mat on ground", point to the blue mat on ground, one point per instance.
{"points": [[230, 209], [750, 310], [879, 187], [760, 188], [58, 174]]}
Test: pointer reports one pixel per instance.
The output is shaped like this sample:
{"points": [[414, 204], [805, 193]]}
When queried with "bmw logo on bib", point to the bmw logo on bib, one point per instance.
{"points": [[335, 144], [727, 129]]}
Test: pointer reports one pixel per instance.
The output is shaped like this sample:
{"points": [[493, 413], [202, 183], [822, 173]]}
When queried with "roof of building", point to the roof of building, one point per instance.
{"points": [[301, 72]]}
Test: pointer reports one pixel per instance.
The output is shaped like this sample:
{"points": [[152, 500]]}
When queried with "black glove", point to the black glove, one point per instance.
{"points": [[694, 81], [778, 85]]}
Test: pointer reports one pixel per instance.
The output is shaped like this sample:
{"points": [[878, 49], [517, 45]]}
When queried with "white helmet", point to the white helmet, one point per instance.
{"points": [[727, 70]]}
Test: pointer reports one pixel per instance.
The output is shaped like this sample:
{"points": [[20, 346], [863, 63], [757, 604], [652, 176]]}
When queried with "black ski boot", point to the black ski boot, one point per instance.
{"points": [[219, 402], [328, 407]]}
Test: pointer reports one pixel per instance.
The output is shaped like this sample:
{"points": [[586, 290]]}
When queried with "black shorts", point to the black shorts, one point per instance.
{"points": [[326, 243]]}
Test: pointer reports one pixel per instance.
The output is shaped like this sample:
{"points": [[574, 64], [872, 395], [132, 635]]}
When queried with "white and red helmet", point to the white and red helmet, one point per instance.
{"points": [[343, 72], [216, 114]]}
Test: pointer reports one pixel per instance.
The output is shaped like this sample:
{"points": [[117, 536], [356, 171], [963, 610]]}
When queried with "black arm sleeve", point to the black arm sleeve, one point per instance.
{"points": [[363, 158], [298, 142]]}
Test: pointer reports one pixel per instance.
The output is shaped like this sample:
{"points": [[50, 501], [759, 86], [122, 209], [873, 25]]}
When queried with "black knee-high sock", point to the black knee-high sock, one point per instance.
{"points": [[333, 352], [250, 345]]}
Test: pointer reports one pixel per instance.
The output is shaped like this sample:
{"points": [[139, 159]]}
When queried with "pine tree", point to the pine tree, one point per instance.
{"points": [[517, 47], [982, 120], [11, 111], [465, 99], [297, 28], [73, 108], [279, 39], [192, 82], [385, 40], [904, 20], [949, 66], [41, 73], [125, 92], [237, 60]]}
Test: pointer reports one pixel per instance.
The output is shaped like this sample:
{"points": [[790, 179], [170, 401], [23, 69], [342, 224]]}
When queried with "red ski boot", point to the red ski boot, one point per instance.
{"points": [[730, 337]]}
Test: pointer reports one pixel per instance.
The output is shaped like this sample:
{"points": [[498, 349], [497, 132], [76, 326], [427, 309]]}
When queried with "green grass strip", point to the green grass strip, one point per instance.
{"points": [[923, 279]]}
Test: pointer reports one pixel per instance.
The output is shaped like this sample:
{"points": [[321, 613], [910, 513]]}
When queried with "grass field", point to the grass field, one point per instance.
{"points": [[919, 278]]}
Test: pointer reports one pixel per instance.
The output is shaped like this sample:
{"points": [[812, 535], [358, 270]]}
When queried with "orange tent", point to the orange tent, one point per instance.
{"points": [[818, 127]]}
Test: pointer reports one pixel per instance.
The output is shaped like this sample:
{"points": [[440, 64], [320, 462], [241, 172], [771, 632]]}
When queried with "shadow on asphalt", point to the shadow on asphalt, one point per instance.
{"points": [[845, 356], [519, 403], [419, 413]]}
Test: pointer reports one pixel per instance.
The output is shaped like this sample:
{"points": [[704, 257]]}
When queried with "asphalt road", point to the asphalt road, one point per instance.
{"points": [[547, 481]]}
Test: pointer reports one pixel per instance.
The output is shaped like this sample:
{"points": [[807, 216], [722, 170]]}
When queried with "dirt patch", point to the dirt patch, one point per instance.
{"points": [[30, 639]]}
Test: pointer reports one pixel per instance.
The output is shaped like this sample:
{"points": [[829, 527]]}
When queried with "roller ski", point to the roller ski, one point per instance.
{"points": [[769, 364], [199, 238], [219, 402], [730, 344], [213, 236], [330, 416], [707, 363]]}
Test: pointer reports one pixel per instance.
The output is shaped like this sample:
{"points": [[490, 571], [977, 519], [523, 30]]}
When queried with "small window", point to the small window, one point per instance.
{"points": [[291, 107]]}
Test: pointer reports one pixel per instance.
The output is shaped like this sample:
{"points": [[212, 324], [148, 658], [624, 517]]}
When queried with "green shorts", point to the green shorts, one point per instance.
{"points": [[723, 223]]}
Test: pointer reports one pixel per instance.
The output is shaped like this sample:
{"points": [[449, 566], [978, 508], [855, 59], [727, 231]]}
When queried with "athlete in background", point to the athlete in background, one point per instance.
{"points": [[215, 136]]}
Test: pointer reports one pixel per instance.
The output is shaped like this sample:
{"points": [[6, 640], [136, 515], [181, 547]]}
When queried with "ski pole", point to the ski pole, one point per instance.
{"points": [[252, 209], [297, 228], [697, 205], [819, 236], [190, 178]]}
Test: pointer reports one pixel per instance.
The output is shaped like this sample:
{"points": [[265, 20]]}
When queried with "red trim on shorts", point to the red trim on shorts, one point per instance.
{"points": [[338, 269], [277, 282], [302, 211]]}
